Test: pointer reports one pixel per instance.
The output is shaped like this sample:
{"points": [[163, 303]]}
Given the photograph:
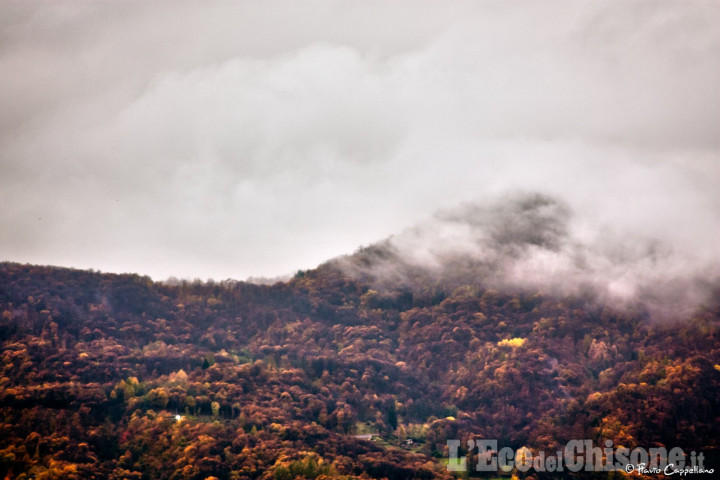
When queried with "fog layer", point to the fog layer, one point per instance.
{"points": [[532, 242]]}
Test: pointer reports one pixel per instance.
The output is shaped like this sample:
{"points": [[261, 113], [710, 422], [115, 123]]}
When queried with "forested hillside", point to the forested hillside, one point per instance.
{"points": [[117, 376]]}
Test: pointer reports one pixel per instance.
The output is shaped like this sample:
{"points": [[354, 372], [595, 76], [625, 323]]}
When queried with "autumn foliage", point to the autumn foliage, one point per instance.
{"points": [[116, 376]]}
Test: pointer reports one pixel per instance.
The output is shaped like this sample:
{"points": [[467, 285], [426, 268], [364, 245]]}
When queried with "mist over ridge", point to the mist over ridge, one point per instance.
{"points": [[534, 241]]}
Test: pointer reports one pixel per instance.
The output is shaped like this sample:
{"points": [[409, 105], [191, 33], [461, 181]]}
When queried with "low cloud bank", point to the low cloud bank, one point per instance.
{"points": [[533, 241]]}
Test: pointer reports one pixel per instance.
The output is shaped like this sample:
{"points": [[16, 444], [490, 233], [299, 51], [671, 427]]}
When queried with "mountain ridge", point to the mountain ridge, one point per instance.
{"points": [[326, 353]]}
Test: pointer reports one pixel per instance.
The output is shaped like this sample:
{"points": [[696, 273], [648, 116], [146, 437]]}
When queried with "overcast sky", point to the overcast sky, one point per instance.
{"points": [[226, 141]]}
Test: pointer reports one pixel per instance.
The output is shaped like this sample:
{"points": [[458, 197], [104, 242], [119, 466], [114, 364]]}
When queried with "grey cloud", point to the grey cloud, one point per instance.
{"points": [[257, 138]]}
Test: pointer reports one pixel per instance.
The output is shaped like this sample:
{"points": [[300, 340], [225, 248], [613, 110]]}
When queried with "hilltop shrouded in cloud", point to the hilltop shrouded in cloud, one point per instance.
{"points": [[531, 241], [254, 139], [537, 183]]}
